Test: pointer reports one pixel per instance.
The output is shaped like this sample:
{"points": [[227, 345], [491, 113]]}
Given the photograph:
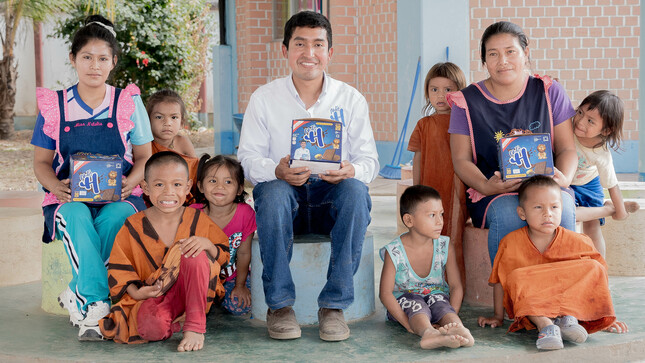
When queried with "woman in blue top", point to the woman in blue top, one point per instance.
{"points": [[90, 117], [509, 101]]}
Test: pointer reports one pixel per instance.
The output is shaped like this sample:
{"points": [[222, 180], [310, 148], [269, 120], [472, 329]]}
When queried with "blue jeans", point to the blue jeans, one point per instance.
{"points": [[341, 210], [502, 218]]}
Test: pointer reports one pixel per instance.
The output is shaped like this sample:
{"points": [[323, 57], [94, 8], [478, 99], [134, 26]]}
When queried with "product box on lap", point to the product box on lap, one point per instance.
{"points": [[95, 178], [317, 144], [523, 155]]}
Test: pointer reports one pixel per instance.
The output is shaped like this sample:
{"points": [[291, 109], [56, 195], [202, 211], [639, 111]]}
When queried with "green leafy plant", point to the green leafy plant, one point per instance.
{"points": [[164, 44], [14, 11]]}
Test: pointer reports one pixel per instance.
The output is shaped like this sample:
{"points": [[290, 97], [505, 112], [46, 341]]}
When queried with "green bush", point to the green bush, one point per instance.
{"points": [[164, 44]]}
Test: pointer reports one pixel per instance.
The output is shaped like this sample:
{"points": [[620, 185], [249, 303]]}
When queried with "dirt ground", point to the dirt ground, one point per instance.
{"points": [[16, 157]]}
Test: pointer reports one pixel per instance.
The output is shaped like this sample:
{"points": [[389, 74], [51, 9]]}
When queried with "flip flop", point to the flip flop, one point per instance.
{"points": [[571, 330], [549, 338]]}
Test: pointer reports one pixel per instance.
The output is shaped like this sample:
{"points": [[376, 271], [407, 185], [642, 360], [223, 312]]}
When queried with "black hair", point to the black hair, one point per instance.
{"points": [[306, 19], [166, 95], [95, 27], [415, 195], [206, 163], [612, 111], [503, 27], [163, 158], [534, 182]]}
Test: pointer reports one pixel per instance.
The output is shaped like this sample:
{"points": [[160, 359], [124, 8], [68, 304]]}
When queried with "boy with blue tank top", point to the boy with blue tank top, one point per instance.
{"points": [[418, 302]]}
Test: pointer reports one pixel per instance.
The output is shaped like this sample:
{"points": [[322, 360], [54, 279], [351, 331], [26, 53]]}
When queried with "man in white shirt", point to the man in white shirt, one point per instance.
{"points": [[302, 153], [291, 200]]}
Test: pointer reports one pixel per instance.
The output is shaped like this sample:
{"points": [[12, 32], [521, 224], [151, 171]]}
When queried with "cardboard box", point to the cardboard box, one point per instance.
{"points": [[522, 156], [317, 144], [95, 178]]}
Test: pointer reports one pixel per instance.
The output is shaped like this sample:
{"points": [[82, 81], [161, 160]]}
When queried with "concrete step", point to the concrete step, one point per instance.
{"points": [[630, 190], [20, 244]]}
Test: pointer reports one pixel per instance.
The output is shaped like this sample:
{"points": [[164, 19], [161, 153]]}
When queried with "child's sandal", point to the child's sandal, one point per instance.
{"points": [[571, 330], [549, 338]]}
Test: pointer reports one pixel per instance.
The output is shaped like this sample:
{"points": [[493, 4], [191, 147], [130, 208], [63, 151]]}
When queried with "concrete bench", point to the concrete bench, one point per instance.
{"points": [[56, 274], [20, 244], [625, 244], [309, 264], [477, 265]]}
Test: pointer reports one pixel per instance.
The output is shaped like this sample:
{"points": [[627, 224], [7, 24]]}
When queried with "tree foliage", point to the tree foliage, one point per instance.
{"points": [[164, 43], [14, 11]]}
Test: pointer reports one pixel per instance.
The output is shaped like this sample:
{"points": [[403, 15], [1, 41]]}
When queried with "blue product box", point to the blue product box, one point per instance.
{"points": [[524, 155], [317, 144], [95, 178]]}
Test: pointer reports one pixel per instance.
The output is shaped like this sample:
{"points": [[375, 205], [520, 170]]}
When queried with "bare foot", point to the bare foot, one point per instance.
{"points": [[617, 327], [192, 341], [632, 207], [432, 339], [460, 330]]}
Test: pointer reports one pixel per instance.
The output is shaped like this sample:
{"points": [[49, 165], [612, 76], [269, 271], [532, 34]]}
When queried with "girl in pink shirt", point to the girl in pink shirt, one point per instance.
{"points": [[220, 184]]}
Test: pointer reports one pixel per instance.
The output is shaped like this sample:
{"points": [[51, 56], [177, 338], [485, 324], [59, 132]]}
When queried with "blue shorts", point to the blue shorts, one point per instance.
{"points": [[435, 306], [590, 195]]}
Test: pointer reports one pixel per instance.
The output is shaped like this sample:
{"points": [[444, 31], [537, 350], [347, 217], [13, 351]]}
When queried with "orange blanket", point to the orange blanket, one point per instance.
{"points": [[569, 278], [192, 169], [139, 257]]}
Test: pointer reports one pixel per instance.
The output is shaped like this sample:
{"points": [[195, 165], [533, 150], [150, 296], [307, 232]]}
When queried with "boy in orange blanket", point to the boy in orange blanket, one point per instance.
{"points": [[548, 277], [165, 263]]}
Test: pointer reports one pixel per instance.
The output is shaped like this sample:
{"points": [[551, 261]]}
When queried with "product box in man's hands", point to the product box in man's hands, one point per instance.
{"points": [[524, 155], [316, 144], [95, 178]]}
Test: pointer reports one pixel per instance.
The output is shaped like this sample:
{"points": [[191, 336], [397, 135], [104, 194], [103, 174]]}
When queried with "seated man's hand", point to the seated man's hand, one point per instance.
{"points": [[346, 171], [293, 176]]}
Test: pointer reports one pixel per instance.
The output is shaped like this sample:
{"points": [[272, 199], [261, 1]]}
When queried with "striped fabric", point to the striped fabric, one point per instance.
{"points": [[139, 257]]}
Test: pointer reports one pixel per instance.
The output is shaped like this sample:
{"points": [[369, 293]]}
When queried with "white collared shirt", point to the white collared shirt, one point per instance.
{"points": [[266, 129]]}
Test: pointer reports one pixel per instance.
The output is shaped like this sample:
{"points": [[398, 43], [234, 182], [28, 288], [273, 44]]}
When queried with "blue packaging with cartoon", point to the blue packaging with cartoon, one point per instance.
{"points": [[95, 178], [316, 144], [524, 155]]}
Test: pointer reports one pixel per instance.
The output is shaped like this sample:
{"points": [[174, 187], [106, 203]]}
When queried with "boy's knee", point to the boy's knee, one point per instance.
{"points": [[199, 262], [153, 324]]}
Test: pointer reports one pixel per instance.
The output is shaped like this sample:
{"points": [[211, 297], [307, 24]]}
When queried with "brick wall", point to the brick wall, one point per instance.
{"points": [[254, 32], [364, 42], [377, 76], [587, 44]]}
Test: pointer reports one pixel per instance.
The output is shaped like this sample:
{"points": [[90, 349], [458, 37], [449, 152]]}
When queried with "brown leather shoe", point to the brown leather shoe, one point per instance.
{"points": [[332, 325], [282, 324]]}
